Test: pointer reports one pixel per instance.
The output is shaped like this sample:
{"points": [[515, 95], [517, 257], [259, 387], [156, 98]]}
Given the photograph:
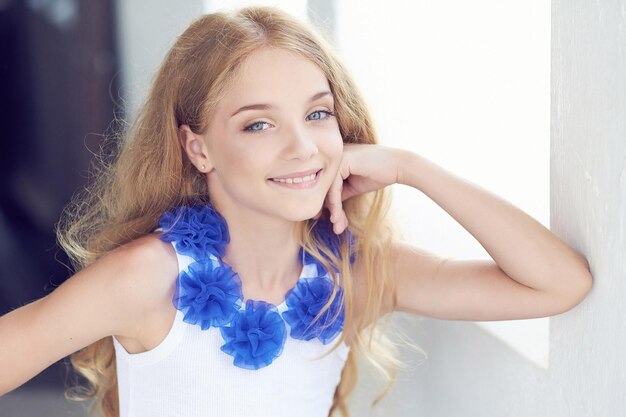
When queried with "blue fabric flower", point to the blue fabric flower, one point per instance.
{"points": [[209, 291], [305, 301], [210, 296], [256, 337], [324, 231], [198, 231]]}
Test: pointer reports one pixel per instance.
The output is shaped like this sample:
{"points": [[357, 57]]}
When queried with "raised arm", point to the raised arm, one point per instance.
{"points": [[533, 272], [110, 297]]}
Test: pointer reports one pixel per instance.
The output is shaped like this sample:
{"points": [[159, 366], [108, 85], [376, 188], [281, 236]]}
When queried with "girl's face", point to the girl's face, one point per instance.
{"points": [[277, 121]]}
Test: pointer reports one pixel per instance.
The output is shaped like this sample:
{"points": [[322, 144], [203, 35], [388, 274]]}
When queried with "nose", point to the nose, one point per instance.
{"points": [[300, 144]]}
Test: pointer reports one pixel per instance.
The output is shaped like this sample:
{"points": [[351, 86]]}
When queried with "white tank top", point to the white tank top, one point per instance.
{"points": [[188, 375]]}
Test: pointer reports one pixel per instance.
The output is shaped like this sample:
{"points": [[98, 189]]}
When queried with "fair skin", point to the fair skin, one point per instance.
{"points": [[128, 291]]}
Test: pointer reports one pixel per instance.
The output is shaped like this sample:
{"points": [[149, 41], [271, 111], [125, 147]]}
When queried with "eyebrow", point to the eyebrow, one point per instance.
{"points": [[269, 106]]}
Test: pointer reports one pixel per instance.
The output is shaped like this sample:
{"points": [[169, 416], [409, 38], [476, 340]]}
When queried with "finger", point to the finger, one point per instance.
{"points": [[342, 224], [345, 221], [334, 203]]}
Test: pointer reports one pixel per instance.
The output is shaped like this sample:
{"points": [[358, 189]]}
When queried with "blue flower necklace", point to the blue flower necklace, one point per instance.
{"points": [[209, 291]]}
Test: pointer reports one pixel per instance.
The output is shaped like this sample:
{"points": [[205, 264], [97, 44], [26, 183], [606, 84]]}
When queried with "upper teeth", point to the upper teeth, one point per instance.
{"points": [[296, 180]]}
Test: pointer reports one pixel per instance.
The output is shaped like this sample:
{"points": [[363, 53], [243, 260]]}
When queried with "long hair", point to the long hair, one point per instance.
{"points": [[148, 173]]}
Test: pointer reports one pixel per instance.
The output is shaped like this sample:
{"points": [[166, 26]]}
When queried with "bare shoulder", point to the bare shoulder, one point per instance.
{"points": [[125, 292], [154, 263], [137, 278], [134, 282], [152, 286]]}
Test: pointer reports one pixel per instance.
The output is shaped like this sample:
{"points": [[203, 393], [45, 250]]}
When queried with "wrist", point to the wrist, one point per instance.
{"points": [[405, 159]]}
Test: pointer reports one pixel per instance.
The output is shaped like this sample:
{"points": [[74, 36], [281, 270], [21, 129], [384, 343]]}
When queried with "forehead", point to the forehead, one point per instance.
{"points": [[275, 74]]}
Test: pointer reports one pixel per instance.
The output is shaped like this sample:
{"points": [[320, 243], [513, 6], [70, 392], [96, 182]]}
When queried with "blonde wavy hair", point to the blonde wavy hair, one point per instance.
{"points": [[148, 173]]}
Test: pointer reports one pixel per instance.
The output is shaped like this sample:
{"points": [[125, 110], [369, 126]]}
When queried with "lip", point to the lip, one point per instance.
{"points": [[298, 174]]}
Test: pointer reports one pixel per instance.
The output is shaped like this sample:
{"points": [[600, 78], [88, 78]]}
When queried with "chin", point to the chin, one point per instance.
{"points": [[302, 216]]}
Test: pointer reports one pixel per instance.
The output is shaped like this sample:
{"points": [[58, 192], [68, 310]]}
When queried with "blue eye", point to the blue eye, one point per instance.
{"points": [[255, 127], [319, 112]]}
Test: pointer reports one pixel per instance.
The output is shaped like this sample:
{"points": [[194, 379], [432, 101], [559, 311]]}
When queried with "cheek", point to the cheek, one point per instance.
{"points": [[334, 148], [240, 166]]}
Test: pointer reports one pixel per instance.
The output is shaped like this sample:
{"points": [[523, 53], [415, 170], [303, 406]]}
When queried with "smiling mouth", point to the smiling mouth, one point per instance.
{"points": [[298, 180], [307, 183]]}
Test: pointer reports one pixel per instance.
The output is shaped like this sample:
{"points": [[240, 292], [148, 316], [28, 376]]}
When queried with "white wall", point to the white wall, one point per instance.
{"points": [[588, 202]]}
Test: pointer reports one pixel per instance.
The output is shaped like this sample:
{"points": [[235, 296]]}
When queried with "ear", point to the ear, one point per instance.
{"points": [[196, 148]]}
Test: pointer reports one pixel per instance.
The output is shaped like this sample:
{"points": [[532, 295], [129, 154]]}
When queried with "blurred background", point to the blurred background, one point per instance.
{"points": [[486, 89], [59, 78]]}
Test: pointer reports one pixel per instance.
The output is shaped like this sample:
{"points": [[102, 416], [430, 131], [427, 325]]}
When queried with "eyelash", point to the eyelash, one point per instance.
{"points": [[248, 129]]}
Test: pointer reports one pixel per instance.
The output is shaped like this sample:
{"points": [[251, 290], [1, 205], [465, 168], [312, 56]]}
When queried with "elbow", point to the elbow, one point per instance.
{"points": [[580, 286], [585, 279], [586, 284], [574, 284], [581, 280]]}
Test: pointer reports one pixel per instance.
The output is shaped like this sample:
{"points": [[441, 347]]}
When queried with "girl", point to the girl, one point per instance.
{"points": [[236, 255]]}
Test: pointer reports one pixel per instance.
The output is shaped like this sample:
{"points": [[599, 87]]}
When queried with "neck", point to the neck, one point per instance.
{"points": [[262, 250]]}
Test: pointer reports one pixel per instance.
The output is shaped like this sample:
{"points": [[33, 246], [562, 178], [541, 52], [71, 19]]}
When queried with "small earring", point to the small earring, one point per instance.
{"points": [[203, 167]]}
